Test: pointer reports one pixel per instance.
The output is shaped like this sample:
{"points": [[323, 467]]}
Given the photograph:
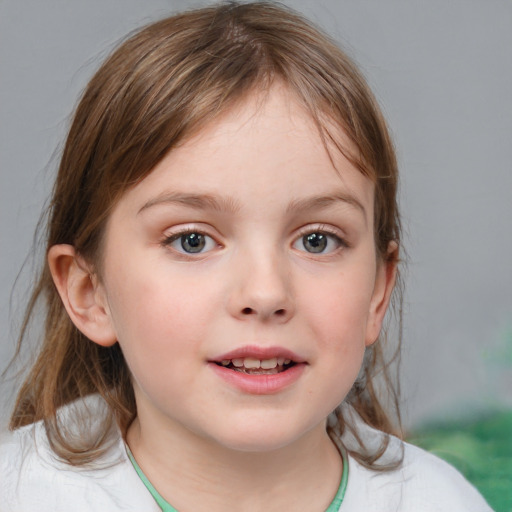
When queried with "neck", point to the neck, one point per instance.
{"points": [[194, 473]]}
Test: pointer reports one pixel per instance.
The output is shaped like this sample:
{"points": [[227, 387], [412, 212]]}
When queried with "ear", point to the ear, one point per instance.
{"points": [[82, 294], [384, 285]]}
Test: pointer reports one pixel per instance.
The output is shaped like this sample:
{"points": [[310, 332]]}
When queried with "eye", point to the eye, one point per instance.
{"points": [[191, 242], [318, 242]]}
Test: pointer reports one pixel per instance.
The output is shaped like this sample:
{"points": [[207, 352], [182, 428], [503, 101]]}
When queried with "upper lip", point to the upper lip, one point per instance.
{"points": [[259, 352]]}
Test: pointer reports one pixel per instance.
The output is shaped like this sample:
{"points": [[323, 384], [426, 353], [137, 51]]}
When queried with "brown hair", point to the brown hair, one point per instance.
{"points": [[158, 87]]}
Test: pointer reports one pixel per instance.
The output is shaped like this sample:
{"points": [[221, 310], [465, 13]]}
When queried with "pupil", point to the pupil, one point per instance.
{"points": [[315, 242], [193, 242]]}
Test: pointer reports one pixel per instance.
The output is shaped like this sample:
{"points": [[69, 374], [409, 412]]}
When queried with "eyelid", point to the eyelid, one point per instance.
{"points": [[178, 232], [323, 229]]}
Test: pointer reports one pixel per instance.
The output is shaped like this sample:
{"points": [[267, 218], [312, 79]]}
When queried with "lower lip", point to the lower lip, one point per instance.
{"points": [[259, 384]]}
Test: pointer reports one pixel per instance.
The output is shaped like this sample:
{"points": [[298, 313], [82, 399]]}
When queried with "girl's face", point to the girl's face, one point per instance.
{"points": [[242, 282]]}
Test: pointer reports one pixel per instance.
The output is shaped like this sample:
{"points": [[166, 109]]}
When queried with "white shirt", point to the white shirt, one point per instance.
{"points": [[33, 480]]}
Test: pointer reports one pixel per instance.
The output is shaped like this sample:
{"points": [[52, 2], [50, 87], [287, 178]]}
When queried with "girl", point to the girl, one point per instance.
{"points": [[223, 244]]}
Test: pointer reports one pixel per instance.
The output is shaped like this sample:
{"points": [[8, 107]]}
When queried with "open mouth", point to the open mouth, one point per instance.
{"points": [[253, 366], [257, 370]]}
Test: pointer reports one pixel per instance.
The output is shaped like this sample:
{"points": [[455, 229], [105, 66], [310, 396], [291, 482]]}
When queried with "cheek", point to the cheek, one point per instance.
{"points": [[158, 321], [338, 309]]}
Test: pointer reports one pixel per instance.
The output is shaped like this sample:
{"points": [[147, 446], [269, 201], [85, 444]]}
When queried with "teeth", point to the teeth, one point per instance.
{"points": [[267, 364], [253, 363], [250, 362]]}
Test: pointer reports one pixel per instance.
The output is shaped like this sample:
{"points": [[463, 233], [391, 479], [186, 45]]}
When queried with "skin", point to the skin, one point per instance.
{"points": [[204, 443]]}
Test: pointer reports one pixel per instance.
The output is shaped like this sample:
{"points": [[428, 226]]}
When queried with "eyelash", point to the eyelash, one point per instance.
{"points": [[170, 239], [323, 230], [320, 230]]}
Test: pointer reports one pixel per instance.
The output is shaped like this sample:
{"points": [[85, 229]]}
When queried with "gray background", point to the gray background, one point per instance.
{"points": [[442, 71]]}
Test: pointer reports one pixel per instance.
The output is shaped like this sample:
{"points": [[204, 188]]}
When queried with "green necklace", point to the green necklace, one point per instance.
{"points": [[167, 507]]}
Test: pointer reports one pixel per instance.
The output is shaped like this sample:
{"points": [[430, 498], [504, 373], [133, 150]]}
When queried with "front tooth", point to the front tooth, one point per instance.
{"points": [[250, 362], [268, 364], [238, 362]]}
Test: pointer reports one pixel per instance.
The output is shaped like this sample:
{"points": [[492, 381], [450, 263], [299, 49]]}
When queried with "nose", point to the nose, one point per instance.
{"points": [[262, 289]]}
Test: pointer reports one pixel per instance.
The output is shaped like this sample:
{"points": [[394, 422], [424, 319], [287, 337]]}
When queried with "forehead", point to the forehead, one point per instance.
{"points": [[266, 144]]}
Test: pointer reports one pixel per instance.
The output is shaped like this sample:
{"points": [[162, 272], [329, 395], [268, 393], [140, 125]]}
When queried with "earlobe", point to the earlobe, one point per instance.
{"points": [[384, 285], [82, 295]]}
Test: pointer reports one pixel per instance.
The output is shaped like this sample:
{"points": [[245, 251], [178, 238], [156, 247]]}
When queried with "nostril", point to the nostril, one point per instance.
{"points": [[251, 311]]}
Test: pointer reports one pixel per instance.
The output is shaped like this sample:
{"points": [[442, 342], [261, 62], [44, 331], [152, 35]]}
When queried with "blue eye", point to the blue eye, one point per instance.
{"points": [[191, 242], [318, 242]]}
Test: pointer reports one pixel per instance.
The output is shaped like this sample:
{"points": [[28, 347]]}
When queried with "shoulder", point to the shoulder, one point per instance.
{"points": [[435, 485], [435, 481], [31, 478], [423, 483]]}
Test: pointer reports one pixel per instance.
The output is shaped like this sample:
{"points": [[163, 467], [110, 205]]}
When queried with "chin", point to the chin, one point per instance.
{"points": [[261, 437]]}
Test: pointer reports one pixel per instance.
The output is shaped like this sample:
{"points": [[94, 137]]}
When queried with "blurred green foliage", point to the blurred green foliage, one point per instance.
{"points": [[480, 449]]}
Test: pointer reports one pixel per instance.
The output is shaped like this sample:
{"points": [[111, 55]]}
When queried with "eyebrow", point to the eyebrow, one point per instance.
{"points": [[196, 201], [322, 202], [231, 205]]}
